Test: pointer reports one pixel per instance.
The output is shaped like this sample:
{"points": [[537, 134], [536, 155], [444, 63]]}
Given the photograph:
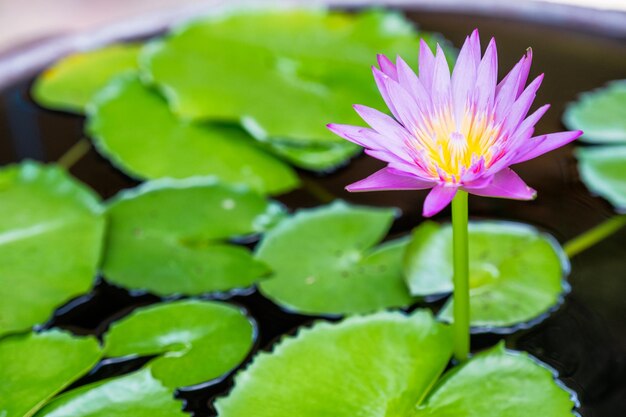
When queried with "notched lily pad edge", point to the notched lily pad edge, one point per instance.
{"points": [[500, 347], [334, 205], [276, 208], [407, 309], [573, 395], [113, 319], [86, 388], [566, 288], [277, 345], [294, 335], [112, 88], [245, 122]]}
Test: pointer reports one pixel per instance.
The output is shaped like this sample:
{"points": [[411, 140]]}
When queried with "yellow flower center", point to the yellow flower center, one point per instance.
{"points": [[449, 148]]}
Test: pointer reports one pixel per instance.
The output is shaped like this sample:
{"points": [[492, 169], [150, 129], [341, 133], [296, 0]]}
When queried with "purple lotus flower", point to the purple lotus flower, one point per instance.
{"points": [[452, 132]]}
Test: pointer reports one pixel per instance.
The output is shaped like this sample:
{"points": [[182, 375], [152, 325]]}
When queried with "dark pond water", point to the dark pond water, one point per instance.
{"points": [[585, 340]]}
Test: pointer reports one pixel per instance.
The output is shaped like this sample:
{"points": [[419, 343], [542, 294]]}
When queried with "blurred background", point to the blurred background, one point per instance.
{"points": [[27, 21]]}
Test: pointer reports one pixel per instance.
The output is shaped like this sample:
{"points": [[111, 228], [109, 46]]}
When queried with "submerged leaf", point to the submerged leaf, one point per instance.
{"points": [[324, 261], [172, 237], [36, 366], [516, 272], [73, 81], [137, 394], [196, 341], [51, 231], [601, 114], [390, 364], [133, 127]]}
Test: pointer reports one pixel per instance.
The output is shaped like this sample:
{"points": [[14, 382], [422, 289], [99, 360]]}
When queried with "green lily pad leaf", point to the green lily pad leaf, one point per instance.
{"points": [[601, 114], [516, 272], [172, 237], [330, 250], [389, 364], [137, 394], [315, 157], [498, 383], [133, 127], [603, 170], [73, 81], [51, 231], [197, 341], [363, 366], [282, 74], [36, 366]]}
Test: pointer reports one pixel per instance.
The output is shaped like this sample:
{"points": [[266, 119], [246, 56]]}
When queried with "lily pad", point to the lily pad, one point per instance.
{"points": [[516, 272], [603, 170], [389, 364], [137, 394], [73, 81], [133, 127], [498, 383], [325, 261], [197, 341], [284, 75], [172, 237], [51, 231], [601, 114], [314, 157], [36, 366]]}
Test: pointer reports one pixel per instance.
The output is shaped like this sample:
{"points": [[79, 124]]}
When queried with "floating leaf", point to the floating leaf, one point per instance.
{"points": [[72, 82], [315, 157], [133, 127], [137, 394], [51, 231], [497, 383], [361, 367], [601, 114], [389, 364], [603, 170], [197, 341], [324, 261], [284, 75], [172, 237], [516, 272], [35, 366]]}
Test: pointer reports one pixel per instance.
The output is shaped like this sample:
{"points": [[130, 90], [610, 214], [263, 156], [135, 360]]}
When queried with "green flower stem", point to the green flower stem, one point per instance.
{"points": [[461, 276], [316, 190], [75, 153], [594, 235]]}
